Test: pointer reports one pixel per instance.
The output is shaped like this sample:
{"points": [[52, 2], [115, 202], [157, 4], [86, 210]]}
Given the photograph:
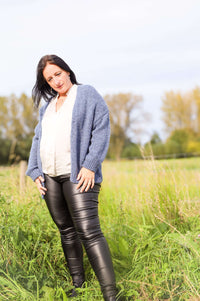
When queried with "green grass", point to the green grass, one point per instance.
{"points": [[149, 213]]}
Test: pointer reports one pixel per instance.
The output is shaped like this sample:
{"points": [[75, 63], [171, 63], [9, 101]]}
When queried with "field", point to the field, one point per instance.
{"points": [[149, 213]]}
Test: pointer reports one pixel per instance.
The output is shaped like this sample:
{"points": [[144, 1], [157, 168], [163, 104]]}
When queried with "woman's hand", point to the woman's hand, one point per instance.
{"points": [[86, 179], [39, 182]]}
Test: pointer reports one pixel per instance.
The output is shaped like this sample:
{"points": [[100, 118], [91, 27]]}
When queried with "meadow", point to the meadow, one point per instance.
{"points": [[149, 213]]}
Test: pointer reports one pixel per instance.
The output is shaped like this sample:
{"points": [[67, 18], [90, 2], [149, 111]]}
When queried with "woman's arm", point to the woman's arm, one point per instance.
{"points": [[100, 136], [33, 170], [99, 143]]}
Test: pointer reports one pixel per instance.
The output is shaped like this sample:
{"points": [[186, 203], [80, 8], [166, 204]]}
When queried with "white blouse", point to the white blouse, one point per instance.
{"points": [[56, 131]]}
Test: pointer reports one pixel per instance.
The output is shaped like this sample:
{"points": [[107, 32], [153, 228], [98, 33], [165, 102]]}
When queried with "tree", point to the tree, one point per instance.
{"points": [[18, 119], [155, 138], [4, 149], [177, 111], [182, 111], [178, 141], [154, 147], [131, 151], [196, 109], [125, 114]]}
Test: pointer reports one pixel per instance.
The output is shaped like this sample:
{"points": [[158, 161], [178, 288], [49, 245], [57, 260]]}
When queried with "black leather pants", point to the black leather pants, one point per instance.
{"points": [[76, 216]]}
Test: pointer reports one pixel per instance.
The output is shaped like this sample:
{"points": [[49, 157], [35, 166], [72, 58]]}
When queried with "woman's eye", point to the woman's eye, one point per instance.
{"points": [[49, 79], [58, 73]]}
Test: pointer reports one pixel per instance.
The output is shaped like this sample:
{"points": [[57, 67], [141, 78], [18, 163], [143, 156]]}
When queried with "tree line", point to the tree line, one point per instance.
{"points": [[181, 117]]}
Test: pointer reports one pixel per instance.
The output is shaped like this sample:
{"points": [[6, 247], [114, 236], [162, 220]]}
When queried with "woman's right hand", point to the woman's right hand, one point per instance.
{"points": [[38, 181]]}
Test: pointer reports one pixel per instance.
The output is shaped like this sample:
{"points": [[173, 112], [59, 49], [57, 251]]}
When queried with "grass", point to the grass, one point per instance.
{"points": [[149, 213]]}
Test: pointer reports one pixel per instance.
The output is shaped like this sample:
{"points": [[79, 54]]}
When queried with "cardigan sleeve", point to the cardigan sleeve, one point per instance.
{"points": [[100, 137], [33, 169]]}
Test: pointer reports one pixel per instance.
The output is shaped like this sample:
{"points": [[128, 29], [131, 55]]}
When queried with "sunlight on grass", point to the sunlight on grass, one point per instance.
{"points": [[149, 213]]}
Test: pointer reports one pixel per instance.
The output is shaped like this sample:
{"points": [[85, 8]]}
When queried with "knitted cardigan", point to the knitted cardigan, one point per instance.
{"points": [[90, 134]]}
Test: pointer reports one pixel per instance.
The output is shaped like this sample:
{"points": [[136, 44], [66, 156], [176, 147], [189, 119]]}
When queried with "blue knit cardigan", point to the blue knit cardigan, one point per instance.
{"points": [[90, 134]]}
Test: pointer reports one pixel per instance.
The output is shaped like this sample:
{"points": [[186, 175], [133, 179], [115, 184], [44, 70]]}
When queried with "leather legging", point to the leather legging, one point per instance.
{"points": [[76, 216]]}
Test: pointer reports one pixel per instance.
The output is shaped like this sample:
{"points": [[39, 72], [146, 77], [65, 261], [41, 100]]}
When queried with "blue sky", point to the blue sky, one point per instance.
{"points": [[140, 46]]}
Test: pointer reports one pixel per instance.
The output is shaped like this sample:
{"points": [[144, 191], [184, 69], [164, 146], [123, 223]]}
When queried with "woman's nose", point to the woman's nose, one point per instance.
{"points": [[56, 81]]}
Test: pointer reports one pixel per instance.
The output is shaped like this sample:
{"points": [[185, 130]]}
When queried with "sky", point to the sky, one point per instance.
{"points": [[145, 47]]}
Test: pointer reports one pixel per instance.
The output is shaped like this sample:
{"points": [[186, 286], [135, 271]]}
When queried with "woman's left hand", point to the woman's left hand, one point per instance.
{"points": [[86, 179]]}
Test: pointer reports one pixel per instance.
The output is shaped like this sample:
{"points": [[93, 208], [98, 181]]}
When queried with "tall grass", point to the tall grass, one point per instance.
{"points": [[149, 213]]}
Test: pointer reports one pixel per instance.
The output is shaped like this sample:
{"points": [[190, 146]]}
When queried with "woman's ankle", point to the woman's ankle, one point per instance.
{"points": [[78, 280]]}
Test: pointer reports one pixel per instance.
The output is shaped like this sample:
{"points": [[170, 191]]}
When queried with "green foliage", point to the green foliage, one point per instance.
{"points": [[177, 142], [18, 120], [131, 150], [155, 139], [4, 150], [180, 143]]}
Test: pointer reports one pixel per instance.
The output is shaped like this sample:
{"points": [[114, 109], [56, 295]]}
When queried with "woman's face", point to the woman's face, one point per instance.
{"points": [[57, 78]]}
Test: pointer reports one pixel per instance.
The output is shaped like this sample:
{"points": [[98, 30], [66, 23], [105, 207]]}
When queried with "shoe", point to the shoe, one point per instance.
{"points": [[73, 293]]}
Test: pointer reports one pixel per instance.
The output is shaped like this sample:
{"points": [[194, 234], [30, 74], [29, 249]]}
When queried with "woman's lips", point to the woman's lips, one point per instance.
{"points": [[59, 87]]}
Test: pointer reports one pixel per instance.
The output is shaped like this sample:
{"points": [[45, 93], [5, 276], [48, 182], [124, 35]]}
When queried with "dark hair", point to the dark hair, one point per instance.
{"points": [[41, 88]]}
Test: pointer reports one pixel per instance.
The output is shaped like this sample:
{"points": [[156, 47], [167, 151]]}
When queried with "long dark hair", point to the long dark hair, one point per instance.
{"points": [[41, 88]]}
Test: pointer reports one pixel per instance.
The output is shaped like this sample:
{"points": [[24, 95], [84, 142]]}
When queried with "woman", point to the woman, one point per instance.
{"points": [[70, 143]]}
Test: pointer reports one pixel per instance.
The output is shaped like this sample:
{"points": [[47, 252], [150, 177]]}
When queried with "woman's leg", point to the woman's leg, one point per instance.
{"points": [[71, 243], [83, 208]]}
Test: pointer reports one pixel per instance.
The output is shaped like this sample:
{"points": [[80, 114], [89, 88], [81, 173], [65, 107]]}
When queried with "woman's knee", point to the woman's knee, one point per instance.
{"points": [[68, 234], [88, 228]]}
